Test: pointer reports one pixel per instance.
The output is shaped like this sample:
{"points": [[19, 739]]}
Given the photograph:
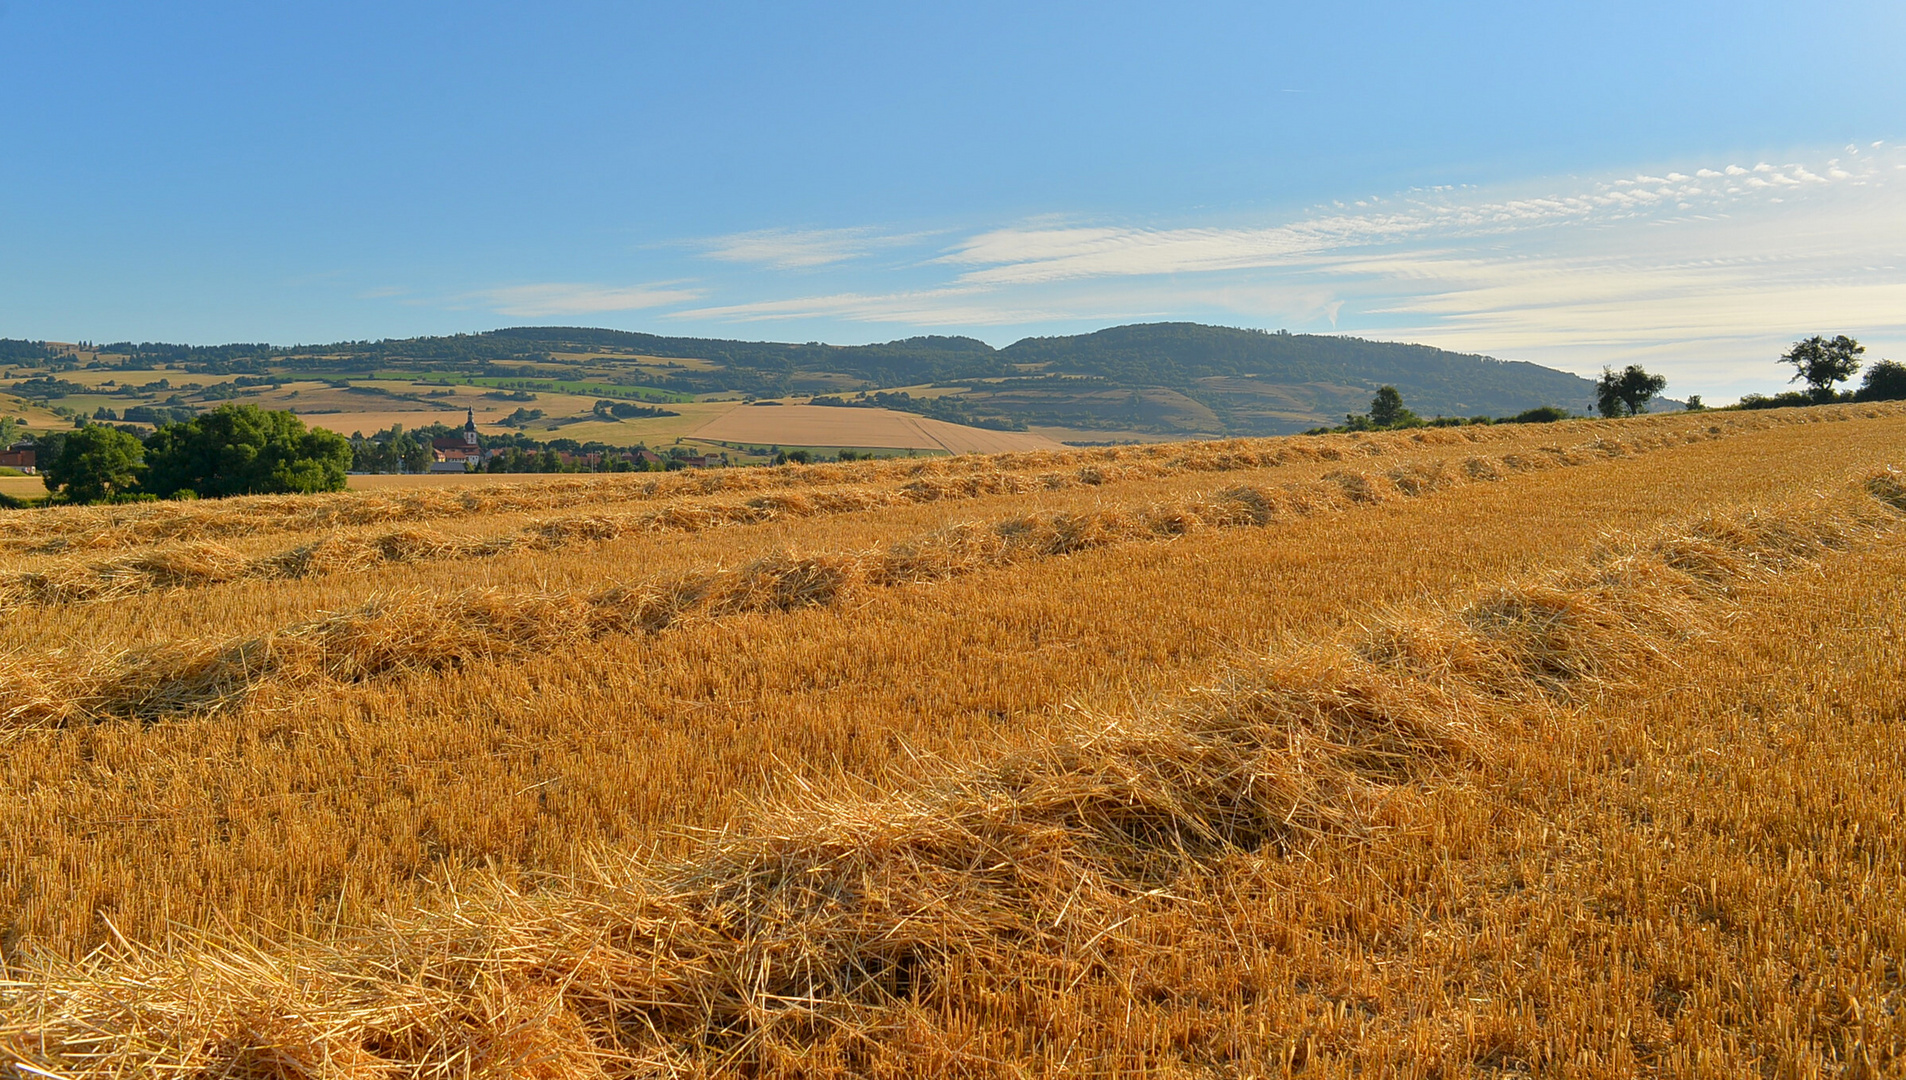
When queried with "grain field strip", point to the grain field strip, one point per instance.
{"points": [[100, 528], [208, 564], [106, 528], [428, 632], [425, 631]]}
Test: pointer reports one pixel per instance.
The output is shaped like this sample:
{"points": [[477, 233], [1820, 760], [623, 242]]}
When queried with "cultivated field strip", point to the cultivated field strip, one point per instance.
{"points": [[423, 631], [200, 565], [1131, 883], [106, 528]]}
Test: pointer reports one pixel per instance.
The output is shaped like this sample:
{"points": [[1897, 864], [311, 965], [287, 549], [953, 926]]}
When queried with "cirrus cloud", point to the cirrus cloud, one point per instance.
{"points": [[547, 299], [1703, 268], [803, 249]]}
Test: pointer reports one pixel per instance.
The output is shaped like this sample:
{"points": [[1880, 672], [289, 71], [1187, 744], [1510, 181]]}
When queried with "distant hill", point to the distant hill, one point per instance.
{"points": [[1177, 354], [1176, 378], [1164, 379]]}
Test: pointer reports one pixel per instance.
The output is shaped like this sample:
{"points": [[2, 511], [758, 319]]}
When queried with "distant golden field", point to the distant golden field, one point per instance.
{"points": [[1569, 749]]}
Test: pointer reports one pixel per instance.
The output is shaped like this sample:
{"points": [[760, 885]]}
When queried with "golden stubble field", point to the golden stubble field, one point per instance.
{"points": [[1566, 749]]}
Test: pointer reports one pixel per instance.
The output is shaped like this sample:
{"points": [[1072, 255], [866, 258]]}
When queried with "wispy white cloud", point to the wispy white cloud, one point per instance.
{"points": [[803, 249], [1696, 267], [957, 306], [1025, 255], [547, 299]]}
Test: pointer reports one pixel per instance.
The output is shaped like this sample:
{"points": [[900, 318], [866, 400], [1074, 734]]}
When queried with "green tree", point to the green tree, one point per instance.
{"points": [[1820, 362], [9, 427], [1627, 392], [95, 464], [413, 452], [1387, 409], [1885, 381], [245, 450]]}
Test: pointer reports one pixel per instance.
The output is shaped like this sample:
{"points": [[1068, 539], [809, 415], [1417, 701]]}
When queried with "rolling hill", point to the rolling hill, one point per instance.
{"points": [[1145, 381], [1166, 378]]}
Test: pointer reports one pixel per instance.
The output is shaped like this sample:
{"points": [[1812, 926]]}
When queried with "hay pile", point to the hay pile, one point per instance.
{"points": [[855, 934]]}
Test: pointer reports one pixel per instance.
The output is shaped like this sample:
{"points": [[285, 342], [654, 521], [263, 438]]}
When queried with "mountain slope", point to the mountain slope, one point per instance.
{"points": [[1263, 382]]}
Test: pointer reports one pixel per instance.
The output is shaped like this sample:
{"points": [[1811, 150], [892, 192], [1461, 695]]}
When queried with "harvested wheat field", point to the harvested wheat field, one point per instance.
{"points": [[1568, 750]]}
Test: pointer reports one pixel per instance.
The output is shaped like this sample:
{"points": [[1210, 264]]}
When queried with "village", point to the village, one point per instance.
{"points": [[464, 453]]}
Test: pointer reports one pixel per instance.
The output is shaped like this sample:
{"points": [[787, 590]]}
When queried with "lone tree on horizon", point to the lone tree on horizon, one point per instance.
{"points": [[1820, 362], [1387, 409], [1627, 392]]}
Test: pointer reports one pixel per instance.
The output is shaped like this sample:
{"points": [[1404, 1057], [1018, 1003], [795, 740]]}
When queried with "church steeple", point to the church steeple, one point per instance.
{"points": [[469, 428]]}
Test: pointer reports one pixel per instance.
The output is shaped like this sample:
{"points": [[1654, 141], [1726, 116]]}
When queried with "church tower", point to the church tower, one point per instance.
{"points": [[469, 429]]}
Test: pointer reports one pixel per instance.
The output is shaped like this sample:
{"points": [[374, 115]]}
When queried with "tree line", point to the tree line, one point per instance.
{"points": [[230, 450], [1822, 363]]}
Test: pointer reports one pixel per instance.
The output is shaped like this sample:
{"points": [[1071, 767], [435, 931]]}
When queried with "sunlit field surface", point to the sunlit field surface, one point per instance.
{"points": [[1572, 749]]}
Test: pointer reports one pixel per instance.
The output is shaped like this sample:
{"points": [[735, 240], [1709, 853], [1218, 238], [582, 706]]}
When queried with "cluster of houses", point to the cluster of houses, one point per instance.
{"points": [[460, 453], [20, 456]]}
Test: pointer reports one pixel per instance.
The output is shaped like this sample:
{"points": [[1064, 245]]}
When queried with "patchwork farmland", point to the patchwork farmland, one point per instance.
{"points": [[1568, 748]]}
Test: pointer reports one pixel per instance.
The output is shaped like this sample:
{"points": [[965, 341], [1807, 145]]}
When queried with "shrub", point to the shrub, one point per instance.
{"points": [[1786, 400], [1542, 414], [1884, 381]]}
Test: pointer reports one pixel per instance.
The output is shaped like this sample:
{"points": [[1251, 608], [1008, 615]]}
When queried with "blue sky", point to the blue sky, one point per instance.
{"points": [[1688, 185]]}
